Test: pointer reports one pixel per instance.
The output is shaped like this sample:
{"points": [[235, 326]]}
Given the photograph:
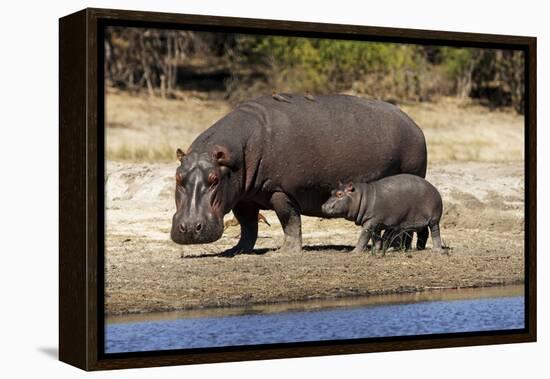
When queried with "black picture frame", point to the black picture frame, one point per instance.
{"points": [[81, 198]]}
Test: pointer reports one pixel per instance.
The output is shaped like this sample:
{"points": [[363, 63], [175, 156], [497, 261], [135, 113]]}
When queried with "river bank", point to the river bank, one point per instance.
{"points": [[431, 312]]}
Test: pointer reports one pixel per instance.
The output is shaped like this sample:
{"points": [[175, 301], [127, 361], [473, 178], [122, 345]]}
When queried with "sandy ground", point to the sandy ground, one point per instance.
{"points": [[482, 224]]}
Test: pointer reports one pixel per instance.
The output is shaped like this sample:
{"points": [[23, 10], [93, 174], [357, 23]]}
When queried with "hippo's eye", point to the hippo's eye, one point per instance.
{"points": [[339, 194], [212, 178]]}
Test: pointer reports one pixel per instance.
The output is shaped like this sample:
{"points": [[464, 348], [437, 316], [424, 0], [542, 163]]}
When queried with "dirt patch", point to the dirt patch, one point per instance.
{"points": [[481, 195], [145, 271]]}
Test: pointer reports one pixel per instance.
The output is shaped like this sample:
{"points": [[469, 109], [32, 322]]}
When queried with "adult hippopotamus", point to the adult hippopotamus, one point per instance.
{"points": [[287, 156]]}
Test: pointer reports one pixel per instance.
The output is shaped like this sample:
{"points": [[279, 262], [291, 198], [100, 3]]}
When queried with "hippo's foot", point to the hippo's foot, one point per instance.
{"points": [[358, 250], [238, 249], [290, 245]]}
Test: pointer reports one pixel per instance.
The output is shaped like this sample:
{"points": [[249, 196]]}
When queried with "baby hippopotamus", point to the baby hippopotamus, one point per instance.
{"points": [[394, 203]]}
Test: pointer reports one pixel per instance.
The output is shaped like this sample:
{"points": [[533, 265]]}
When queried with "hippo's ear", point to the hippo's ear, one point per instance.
{"points": [[223, 156], [350, 187], [180, 154]]}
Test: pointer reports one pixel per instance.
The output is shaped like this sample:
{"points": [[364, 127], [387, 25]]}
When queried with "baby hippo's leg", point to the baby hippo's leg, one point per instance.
{"points": [[363, 241], [377, 240], [378, 244], [436, 238], [364, 237]]}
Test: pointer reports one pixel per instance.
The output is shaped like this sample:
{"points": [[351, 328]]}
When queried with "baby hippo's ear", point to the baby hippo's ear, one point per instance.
{"points": [[350, 187], [180, 154]]}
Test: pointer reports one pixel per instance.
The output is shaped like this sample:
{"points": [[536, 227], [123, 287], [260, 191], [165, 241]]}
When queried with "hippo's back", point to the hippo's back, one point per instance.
{"points": [[409, 194], [334, 134]]}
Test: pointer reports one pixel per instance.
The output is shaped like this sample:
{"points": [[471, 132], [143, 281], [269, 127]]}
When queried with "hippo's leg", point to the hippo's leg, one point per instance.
{"points": [[288, 213], [378, 244], [436, 238], [364, 237], [421, 238], [377, 239], [247, 216], [363, 241]]}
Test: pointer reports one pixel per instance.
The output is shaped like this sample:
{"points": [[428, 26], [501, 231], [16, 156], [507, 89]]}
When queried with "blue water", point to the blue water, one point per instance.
{"points": [[429, 317]]}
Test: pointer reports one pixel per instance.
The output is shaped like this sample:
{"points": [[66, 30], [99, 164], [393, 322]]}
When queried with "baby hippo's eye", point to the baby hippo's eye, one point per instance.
{"points": [[212, 178], [339, 194]]}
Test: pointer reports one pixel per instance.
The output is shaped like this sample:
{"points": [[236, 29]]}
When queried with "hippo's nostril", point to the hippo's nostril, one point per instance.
{"points": [[199, 227], [182, 228]]}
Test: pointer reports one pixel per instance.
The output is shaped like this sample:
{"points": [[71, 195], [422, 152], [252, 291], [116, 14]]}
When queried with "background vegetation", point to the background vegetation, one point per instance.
{"points": [[237, 66]]}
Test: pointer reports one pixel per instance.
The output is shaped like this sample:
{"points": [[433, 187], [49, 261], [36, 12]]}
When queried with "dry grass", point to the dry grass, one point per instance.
{"points": [[458, 131], [144, 129]]}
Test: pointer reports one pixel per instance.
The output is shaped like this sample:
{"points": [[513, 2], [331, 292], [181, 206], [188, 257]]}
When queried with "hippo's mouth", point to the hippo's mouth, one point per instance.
{"points": [[181, 240], [198, 234]]}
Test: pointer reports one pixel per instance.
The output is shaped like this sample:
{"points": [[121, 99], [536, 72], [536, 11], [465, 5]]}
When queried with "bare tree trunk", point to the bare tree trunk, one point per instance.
{"points": [[163, 86], [146, 69], [169, 60], [464, 85], [174, 74], [147, 78]]}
